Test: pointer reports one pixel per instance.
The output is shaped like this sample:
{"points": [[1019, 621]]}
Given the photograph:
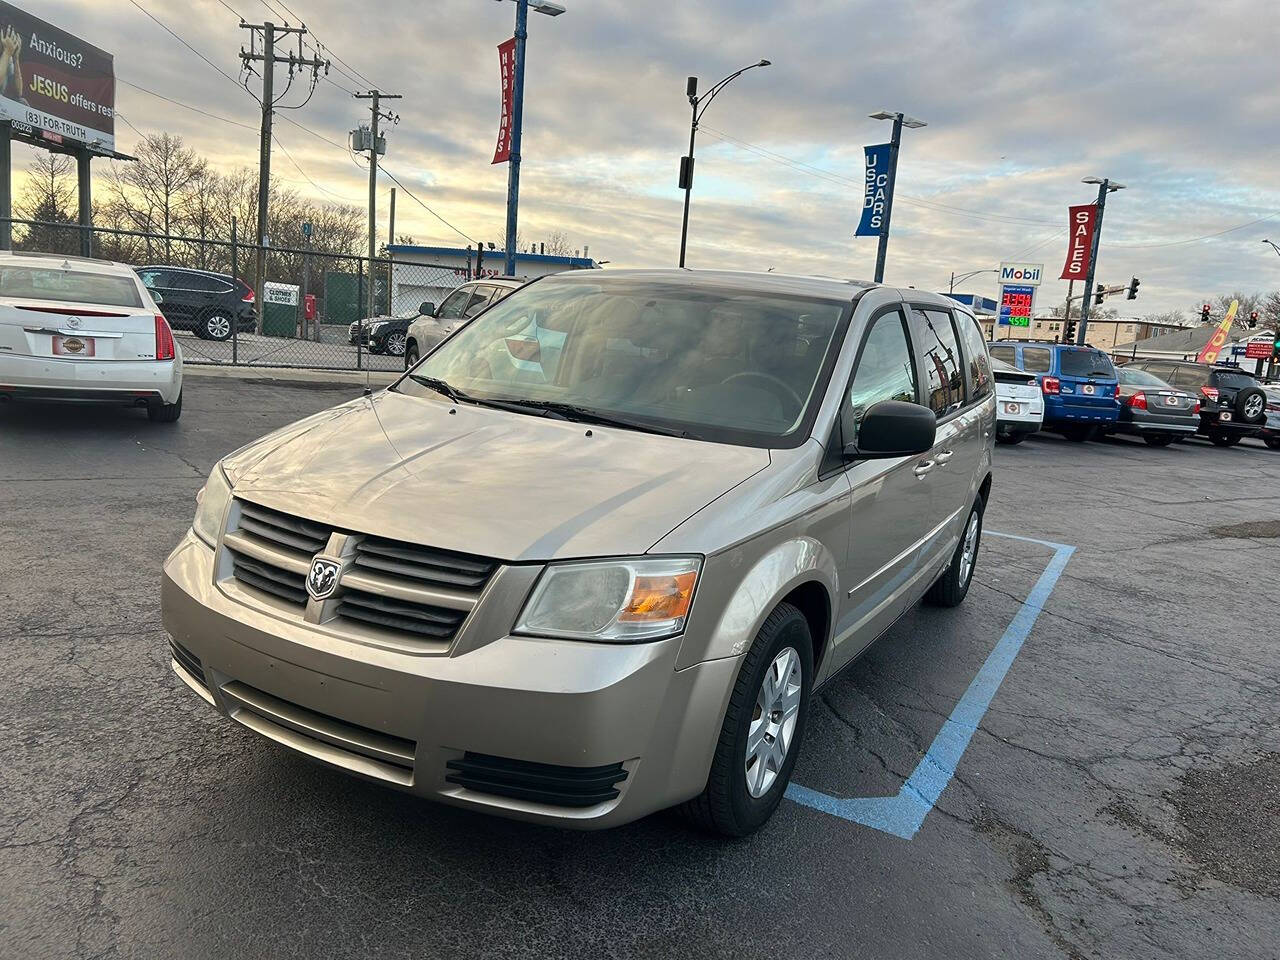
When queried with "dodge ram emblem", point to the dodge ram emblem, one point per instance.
{"points": [[323, 578]]}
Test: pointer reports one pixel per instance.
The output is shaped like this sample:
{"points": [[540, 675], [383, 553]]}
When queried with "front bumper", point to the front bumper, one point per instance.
{"points": [[401, 718]]}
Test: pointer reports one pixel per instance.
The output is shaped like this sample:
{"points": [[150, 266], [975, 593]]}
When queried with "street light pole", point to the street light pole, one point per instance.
{"points": [[965, 276], [1273, 247], [900, 120], [551, 9], [1105, 187], [686, 162]]}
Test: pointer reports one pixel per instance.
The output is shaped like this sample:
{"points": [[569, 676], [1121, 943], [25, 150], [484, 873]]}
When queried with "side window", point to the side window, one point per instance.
{"points": [[1189, 376], [975, 348], [453, 305], [479, 300], [151, 279], [1036, 359], [885, 370], [1157, 369], [941, 353], [1007, 354]]}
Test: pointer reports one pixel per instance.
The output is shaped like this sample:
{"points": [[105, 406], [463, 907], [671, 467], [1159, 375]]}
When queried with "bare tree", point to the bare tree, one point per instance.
{"points": [[152, 191], [1218, 305], [49, 197]]}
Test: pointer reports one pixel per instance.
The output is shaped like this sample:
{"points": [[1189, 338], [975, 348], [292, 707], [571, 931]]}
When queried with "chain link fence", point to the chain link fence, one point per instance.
{"points": [[315, 311]]}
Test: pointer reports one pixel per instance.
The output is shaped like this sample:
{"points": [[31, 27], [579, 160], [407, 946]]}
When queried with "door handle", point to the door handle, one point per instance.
{"points": [[921, 468], [945, 455]]}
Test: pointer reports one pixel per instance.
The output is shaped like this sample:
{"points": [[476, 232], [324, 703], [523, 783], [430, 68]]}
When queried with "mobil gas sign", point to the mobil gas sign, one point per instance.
{"points": [[1023, 274]]}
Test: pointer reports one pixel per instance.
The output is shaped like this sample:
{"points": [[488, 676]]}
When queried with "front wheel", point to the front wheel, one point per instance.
{"points": [[1078, 434], [394, 344], [410, 354], [763, 727], [952, 587], [1010, 438], [1158, 439]]}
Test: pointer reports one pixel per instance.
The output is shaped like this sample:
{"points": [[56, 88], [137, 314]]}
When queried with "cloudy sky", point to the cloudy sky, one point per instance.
{"points": [[1178, 99]]}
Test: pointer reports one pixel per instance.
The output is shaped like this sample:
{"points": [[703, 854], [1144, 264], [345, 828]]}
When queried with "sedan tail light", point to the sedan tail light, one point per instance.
{"points": [[164, 339], [1135, 401], [1195, 406], [1210, 393], [1051, 385]]}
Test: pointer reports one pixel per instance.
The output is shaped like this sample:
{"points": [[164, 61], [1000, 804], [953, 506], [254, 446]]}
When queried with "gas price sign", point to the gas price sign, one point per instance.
{"points": [[1016, 304]]}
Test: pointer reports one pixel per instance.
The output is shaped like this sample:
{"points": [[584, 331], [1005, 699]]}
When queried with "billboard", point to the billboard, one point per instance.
{"points": [[54, 85], [1027, 274]]}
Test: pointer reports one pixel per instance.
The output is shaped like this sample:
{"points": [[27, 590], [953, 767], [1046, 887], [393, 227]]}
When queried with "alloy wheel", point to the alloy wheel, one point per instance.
{"points": [[1253, 407], [217, 327], [773, 721], [395, 344]]}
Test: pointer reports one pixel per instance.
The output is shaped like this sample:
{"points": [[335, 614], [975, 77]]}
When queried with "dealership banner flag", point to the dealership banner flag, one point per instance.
{"points": [[1219, 339], [876, 190], [1082, 220], [507, 66]]}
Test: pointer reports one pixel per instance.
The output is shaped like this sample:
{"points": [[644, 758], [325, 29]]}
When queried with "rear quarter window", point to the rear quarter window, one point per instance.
{"points": [[1233, 380], [1006, 354]]}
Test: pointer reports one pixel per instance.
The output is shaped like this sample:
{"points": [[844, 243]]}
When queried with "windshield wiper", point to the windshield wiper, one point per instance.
{"points": [[442, 386], [581, 414]]}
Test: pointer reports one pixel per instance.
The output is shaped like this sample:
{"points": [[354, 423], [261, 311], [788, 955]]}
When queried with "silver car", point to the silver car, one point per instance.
{"points": [[592, 555]]}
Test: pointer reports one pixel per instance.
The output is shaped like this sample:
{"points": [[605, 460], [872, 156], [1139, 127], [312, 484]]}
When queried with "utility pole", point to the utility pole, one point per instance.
{"points": [[391, 221], [1105, 187], [268, 58], [375, 98]]}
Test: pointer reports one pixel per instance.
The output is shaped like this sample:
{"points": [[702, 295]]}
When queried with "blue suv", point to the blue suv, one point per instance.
{"points": [[1079, 383]]}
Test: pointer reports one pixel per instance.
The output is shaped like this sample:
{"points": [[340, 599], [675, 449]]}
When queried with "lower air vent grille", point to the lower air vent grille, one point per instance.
{"points": [[188, 661], [539, 782]]}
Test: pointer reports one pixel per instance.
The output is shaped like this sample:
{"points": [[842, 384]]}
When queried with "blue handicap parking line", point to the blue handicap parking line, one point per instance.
{"points": [[903, 814]]}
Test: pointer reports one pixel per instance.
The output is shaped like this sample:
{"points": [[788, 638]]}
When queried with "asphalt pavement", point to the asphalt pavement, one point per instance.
{"points": [[1119, 796]]}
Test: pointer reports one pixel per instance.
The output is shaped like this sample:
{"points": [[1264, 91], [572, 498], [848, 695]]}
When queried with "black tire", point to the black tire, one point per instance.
{"points": [[953, 586], [165, 412], [1251, 397], [1010, 438], [726, 806], [1219, 439], [216, 326], [410, 354], [1273, 443], [1078, 434], [1158, 439]]}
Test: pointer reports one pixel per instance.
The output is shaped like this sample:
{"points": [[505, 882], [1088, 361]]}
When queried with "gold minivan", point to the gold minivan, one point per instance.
{"points": [[591, 556]]}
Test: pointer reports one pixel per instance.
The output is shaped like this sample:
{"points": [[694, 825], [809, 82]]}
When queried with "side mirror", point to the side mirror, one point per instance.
{"points": [[427, 309], [893, 428]]}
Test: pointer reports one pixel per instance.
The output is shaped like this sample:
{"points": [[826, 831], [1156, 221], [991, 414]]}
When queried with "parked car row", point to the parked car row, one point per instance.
{"points": [[410, 335], [1086, 395]]}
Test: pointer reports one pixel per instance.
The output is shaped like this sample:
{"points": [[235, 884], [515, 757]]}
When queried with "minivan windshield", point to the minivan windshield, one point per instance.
{"points": [[1085, 363], [709, 362]]}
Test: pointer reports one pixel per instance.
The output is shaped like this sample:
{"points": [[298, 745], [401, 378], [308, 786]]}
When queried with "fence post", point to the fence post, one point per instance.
{"points": [[360, 330], [235, 326]]}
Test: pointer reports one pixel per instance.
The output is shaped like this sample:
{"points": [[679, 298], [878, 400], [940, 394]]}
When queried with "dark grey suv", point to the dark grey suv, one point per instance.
{"points": [[210, 304]]}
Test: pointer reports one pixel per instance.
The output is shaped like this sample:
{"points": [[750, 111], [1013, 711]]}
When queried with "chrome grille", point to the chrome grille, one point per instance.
{"points": [[271, 551], [425, 565], [269, 578]]}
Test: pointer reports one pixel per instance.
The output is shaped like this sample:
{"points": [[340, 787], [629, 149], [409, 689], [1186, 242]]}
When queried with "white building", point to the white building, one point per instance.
{"points": [[427, 274]]}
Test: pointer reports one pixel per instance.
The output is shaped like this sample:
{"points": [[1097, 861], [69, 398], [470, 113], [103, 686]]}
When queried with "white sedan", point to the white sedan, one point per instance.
{"points": [[1019, 403], [85, 331]]}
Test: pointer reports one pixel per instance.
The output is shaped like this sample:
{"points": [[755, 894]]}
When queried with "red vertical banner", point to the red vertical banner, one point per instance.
{"points": [[1082, 220], [507, 65]]}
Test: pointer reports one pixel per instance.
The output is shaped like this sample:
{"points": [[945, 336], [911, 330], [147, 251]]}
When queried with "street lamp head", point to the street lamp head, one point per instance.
{"points": [[764, 63], [1112, 187], [913, 123], [1094, 180], [549, 7], [883, 115]]}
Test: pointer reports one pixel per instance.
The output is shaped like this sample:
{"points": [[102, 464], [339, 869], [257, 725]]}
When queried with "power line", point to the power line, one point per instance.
{"points": [[358, 78], [276, 139], [392, 177], [185, 106], [175, 36], [1207, 236]]}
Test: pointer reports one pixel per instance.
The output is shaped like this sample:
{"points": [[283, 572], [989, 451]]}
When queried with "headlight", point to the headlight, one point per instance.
{"points": [[211, 506], [613, 600]]}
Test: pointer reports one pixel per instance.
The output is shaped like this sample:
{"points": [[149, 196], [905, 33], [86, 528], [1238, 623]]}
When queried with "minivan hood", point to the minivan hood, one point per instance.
{"points": [[484, 481]]}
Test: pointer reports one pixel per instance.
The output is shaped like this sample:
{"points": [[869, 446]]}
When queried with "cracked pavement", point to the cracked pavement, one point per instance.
{"points": [[1118, 800]]}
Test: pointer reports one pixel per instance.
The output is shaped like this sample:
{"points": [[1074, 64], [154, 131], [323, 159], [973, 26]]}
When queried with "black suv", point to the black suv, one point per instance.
{"points": [[208, 303], [1232, 403]]}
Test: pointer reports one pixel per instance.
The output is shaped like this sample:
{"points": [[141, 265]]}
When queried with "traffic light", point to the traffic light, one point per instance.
{"points": [[1133, 289], [1098, 295], [1069, 331], [1253, 318], [1204, 314]]}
